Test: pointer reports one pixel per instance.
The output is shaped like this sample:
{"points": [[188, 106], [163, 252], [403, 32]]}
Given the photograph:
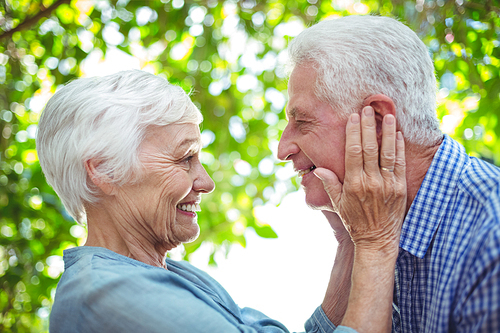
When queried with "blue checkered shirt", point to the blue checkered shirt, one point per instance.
{"points": [[448, 269]]}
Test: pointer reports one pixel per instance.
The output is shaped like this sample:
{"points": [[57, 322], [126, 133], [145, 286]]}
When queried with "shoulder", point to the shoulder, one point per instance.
{"points": [[475, 178], [95, 269], [480, 187], [472, 188], [112, 293], [98, 271], [480, 179]]}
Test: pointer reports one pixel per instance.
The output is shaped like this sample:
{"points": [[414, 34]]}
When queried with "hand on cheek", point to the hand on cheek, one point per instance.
{"points": [[372, 200]]}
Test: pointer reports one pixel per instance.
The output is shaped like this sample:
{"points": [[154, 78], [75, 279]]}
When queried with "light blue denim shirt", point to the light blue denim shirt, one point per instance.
{"points": [[102, 291]]}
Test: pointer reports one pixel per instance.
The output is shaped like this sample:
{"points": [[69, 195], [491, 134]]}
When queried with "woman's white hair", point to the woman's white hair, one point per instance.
{"points": [[359, 56], [105, 119]]}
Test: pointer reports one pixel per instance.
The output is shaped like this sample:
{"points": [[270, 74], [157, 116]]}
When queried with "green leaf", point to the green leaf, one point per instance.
{"points": [[265, 231]]}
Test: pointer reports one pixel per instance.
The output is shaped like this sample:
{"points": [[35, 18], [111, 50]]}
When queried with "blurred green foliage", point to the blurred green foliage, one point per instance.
{"points": [[230, 55]]}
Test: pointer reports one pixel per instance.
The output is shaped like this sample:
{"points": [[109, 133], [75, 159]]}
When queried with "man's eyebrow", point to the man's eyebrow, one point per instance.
{"points": [[292, 112], [297, 112]]}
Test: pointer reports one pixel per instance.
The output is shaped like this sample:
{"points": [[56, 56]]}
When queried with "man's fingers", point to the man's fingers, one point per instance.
{"points": [[353, 149], [388, 148], [331, 184], [369, 141]]}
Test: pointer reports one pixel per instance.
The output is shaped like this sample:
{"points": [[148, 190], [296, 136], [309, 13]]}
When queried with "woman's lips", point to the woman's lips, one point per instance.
{"points": [[189, 208]]}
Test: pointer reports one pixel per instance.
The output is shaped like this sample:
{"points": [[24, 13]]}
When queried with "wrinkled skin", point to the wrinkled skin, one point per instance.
{"points": [[144, 219], [372, 197]]}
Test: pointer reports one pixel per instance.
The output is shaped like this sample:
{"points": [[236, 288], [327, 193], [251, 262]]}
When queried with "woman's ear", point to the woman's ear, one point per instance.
{"points": [[382, 105], [100, 180]]}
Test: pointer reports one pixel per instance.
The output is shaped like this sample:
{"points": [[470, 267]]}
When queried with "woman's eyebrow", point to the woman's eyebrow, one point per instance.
{"points": [[188, 143]]}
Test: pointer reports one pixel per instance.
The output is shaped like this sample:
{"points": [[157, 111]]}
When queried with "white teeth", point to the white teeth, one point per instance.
{"points": [[189, 207], [301, 173]]}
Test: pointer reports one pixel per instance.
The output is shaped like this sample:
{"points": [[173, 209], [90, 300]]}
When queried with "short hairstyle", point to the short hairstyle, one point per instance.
{"points": [[359, 56], [106, 119]]}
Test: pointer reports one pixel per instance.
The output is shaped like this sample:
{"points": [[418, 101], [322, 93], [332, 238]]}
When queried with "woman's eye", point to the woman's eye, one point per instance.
{"points": [[188, 159]]}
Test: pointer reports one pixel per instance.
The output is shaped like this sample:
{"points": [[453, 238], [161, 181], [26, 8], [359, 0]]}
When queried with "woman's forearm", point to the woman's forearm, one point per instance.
{"points": [[337, 294], [371, 202], [370, 299]]}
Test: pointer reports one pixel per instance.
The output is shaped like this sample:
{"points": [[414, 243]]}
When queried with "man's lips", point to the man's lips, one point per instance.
{"points": [[304, 172]]}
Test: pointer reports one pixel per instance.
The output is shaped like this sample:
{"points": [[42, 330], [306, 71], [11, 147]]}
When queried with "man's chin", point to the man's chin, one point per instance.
{"points": [[316, 197], [318, 202]]}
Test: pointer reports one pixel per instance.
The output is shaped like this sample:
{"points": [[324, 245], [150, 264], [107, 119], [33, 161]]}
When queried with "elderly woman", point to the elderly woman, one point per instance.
{"points": [[122, 153]]}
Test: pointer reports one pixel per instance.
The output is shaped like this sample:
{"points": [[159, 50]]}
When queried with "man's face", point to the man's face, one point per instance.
{"points": [[314, 136]]}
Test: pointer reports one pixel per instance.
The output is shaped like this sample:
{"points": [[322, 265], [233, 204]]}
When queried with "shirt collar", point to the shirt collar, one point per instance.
{"points": [[429, 206]]}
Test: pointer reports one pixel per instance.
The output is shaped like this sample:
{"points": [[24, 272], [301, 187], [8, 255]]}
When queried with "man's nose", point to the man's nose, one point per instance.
{"points": [[287, 147]]}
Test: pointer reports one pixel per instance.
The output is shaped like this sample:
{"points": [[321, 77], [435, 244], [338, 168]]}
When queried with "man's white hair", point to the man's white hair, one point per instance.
{"points": [[105, 119], [359, 56]]}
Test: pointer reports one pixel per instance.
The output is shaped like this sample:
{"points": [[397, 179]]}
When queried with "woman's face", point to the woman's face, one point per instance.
{"points": [[162, 205]]}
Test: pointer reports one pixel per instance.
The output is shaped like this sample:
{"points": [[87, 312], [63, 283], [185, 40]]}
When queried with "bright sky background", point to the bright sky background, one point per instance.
{"points": [[285, 278]]}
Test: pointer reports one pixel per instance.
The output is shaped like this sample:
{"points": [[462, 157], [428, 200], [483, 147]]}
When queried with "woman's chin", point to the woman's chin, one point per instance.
{"points": [[193, 237], [186, 234], [186, 228]]}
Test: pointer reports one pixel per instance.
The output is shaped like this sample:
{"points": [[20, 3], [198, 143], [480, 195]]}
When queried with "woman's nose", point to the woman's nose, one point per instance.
{"points": [[203, 183]]}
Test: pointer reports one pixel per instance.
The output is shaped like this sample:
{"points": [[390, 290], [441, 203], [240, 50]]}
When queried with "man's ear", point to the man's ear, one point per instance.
{"points": [[100, 180], [382, 105]]}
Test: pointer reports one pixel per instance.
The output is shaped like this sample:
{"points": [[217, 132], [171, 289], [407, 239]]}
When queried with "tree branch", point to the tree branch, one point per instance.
{"points": [[29, 22]]}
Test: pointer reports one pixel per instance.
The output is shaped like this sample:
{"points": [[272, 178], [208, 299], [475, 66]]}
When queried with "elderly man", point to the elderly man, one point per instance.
{"points": [[448, 268]]}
